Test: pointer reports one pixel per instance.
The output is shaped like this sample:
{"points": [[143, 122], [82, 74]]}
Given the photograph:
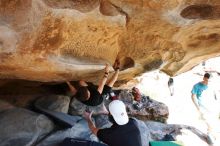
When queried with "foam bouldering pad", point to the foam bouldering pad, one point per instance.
{"points": [[166, 143]]}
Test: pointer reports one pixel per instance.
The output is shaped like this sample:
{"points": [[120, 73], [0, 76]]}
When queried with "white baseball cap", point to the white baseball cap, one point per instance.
{"points": [[118, 111]]}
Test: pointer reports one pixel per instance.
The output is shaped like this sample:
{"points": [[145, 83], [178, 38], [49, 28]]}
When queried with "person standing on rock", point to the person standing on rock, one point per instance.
{"points": [[91, 95], [171, 86], [200, 98], [123, 132], [198, 89]]}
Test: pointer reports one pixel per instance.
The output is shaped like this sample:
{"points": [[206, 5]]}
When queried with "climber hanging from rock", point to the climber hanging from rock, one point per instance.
{"points": [[91, 95]]}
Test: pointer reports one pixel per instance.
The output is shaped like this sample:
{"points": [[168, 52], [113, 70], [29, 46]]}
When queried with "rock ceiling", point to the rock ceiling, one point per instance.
{"points": [[53, 40]]}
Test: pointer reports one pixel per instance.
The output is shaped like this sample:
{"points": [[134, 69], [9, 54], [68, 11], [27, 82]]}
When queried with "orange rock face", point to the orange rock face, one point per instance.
{"points": [[53, 40]]}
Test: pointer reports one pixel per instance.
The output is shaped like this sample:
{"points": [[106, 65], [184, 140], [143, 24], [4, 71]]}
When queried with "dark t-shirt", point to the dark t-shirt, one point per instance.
{"points": [[121, 135], [95, 97]]}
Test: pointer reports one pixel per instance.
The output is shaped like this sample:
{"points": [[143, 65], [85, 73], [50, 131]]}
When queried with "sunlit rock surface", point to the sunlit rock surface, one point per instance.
{"points": [[53, 40]]}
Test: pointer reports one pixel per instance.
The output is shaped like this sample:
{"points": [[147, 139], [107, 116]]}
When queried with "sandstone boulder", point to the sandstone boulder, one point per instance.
{"points": [[51, 40]]}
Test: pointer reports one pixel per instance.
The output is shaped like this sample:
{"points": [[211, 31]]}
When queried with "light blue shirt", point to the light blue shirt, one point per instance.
{"points": [[198, 89]]}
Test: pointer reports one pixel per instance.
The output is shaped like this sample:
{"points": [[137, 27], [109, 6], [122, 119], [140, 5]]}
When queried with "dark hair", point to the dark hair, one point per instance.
{"points": [[170, 82], [82, 93], [207, 75]]}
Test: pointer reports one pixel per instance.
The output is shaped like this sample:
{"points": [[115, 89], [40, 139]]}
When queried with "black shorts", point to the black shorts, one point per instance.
{"points": [[106, 90]]}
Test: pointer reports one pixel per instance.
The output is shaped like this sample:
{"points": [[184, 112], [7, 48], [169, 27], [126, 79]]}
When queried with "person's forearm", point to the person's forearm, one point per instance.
{"points": [[92, 127], [72, 88], [102, 83], [113, 78]]}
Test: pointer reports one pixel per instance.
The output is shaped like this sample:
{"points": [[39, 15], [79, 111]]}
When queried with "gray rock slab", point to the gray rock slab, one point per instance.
{"points": [[22, 127], [79, 130], [146, 108], [78, 108], [59, 103]]}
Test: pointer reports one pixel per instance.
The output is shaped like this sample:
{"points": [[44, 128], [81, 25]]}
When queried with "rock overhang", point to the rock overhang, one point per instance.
{"points": [[51, 40]]}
